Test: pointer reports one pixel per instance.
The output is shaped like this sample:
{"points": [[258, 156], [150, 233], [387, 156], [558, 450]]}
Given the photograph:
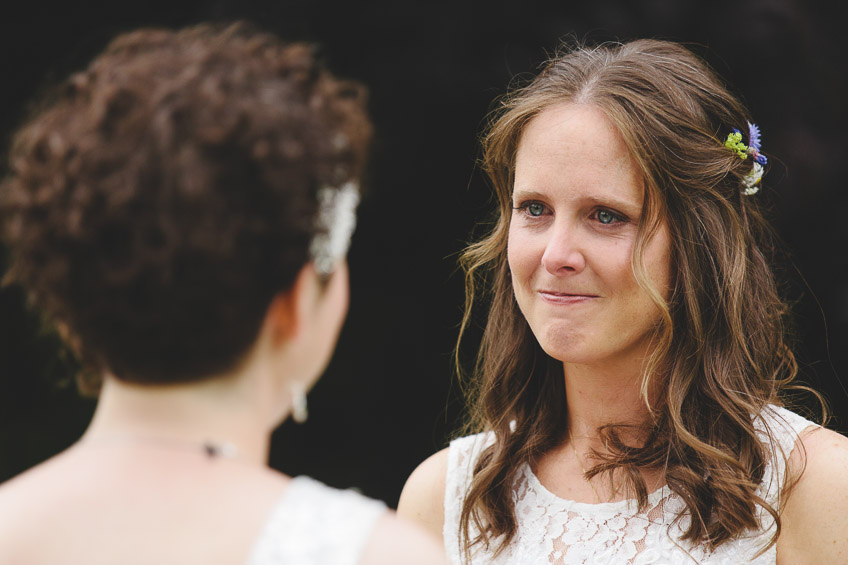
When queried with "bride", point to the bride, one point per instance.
{"points": [[628, 387]]}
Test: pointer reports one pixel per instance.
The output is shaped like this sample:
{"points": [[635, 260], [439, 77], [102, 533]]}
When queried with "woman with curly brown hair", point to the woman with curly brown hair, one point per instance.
{"points": [[627, 388], [182, 210]]}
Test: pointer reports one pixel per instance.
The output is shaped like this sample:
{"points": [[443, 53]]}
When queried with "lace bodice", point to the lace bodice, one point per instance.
{"points": [[552, 530], [314, 524]]}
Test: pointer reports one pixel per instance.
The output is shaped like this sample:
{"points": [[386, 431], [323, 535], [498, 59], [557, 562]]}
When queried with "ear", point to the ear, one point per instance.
{"points": [[288, 314]]}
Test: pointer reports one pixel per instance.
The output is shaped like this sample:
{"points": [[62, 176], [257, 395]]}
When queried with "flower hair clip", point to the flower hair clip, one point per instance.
{"points": [[735, 144]]}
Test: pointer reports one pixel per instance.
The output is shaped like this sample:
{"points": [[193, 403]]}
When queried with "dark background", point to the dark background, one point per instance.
{"points": [[389, 397]]}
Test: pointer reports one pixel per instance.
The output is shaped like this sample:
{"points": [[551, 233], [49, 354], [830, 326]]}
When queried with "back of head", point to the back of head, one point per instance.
{"points": [[166, 193]]}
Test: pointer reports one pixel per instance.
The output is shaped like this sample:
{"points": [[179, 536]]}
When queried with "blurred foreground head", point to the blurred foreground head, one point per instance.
{"points": [[160, 200]]}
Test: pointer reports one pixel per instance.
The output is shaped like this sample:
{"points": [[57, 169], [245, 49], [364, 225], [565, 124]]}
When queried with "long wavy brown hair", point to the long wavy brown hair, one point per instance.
{"points": [[721, 354]]}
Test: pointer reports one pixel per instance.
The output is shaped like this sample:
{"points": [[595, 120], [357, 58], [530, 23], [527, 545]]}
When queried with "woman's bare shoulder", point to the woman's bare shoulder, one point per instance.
{"points": [[813, 518], [42, 482], [25, 500], [422, 499], [75, 494], [396, 540]]}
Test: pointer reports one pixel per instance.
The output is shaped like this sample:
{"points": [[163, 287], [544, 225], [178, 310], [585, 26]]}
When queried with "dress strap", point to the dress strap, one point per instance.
{"points": [[462, 455], [780, 429], [314, 524]]}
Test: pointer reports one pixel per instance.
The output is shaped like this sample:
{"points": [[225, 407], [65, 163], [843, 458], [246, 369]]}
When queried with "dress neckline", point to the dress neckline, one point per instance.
{"points": [[590, 507]]}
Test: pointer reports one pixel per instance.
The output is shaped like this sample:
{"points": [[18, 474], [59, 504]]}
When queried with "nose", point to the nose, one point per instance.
{"points": [[563, 251]]}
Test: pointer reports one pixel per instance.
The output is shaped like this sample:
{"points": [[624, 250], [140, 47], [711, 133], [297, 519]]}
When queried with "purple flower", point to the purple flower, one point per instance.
{"points": [[753, 136], [754, 144]]}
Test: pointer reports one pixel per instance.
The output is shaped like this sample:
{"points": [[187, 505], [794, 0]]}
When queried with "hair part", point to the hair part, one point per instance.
{"points": [[721, 354]]}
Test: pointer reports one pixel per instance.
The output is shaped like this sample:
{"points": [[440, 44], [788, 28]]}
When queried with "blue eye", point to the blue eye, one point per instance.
{"points": [[535, 209], [532, 209], [606, 217]]}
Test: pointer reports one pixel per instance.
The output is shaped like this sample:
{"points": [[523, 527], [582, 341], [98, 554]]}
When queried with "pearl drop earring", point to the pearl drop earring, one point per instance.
{"points": [[299, 410]]}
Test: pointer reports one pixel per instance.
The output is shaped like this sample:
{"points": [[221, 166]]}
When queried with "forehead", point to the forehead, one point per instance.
{"points": [[575, 150]]}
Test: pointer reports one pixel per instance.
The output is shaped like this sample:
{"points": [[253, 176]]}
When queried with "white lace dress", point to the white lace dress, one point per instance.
{"points": [[314, 524], [555, 531]]}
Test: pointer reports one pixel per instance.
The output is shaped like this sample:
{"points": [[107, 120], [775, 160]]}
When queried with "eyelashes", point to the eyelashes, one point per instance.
{"points": [[533, 209], [608, 217]]}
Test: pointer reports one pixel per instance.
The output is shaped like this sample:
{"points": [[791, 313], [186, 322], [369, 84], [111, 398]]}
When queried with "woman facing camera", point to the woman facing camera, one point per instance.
{"points": [[182, 210], [628, 385]]}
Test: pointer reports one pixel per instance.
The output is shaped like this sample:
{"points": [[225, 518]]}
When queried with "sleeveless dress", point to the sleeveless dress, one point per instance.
{"points": [[314, 524], [555, 531]]}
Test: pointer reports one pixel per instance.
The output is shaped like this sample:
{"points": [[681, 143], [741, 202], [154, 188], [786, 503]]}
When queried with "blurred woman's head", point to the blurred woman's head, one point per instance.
{"points": [[171, 190]]}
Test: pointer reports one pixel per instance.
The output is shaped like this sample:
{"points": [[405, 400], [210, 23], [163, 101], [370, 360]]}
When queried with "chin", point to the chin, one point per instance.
{"points": [[568, 353], [572, 357], [565, 346]]}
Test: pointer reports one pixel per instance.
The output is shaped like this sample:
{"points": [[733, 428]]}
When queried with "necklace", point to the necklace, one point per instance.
{"points": [[582, 467], [211, 449]]}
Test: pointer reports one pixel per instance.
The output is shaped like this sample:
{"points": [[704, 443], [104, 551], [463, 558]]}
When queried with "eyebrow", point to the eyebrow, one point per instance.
{"points": [[624, 205], [627, 206], [527, 194]]}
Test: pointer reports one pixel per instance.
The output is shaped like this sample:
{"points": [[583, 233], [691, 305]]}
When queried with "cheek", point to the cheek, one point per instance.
{"points": [[519, 256], [611, 268], [511, 259], [658, 263]]}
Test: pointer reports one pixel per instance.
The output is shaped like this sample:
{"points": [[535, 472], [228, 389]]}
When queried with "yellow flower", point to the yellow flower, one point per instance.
{"points": [[734, 143]]}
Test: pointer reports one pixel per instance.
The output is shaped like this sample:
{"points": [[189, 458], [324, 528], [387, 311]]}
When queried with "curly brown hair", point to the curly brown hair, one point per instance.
{"points": [[721, 353], [167, 192]]}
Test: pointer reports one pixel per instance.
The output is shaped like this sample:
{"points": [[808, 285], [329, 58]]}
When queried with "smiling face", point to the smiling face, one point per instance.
{"points": [[577, 202]]}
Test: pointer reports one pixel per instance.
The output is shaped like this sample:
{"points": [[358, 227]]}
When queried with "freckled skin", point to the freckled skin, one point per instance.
{"points": [[578, 198]]}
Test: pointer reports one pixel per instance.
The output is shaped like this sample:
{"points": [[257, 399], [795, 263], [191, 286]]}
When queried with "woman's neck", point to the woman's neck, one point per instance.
{"points": [[599, 396], [221, 411]]}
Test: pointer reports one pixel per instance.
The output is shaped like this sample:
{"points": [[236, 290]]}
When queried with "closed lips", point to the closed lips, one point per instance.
{"points": [[564, 297]]}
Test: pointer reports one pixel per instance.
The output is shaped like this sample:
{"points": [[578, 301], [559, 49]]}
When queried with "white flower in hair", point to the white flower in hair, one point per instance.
{"points": [[752, 180], [335, 224]]}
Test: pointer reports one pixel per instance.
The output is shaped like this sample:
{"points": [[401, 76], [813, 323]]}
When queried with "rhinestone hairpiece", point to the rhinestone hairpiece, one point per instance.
{"points": [[335, 224]]}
